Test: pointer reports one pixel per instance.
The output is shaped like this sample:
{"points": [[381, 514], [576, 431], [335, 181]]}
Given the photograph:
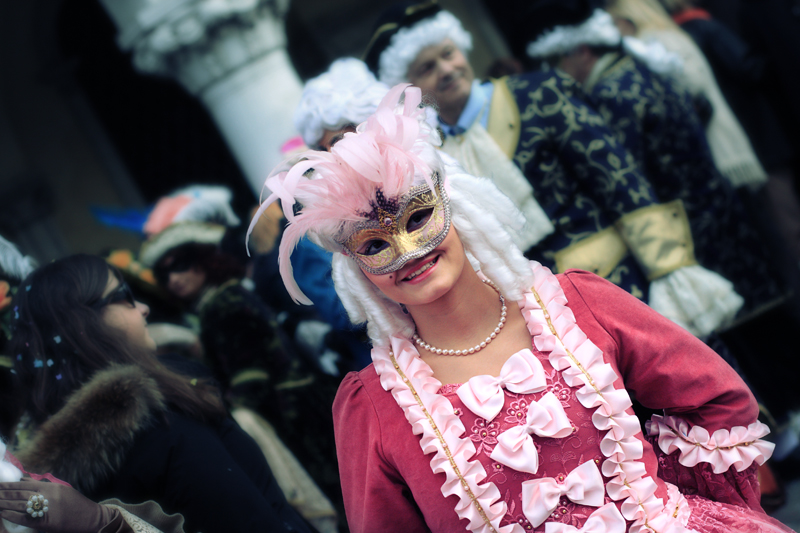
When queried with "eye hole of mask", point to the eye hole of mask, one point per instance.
{"points": [[373, 247], [419, 219]]}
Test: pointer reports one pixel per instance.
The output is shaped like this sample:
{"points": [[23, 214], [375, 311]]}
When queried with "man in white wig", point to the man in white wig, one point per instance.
{"points": [[632, 86], [535, 137]]}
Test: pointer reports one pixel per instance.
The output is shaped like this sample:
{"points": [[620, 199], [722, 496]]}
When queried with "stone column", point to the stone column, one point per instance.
{"points": [[229, 53]]}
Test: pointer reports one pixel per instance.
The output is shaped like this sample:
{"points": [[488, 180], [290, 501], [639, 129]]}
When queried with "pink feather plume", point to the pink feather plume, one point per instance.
{"points": [[383, 153]]}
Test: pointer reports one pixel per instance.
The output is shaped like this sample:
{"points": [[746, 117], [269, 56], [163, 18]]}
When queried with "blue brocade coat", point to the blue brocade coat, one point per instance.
{"points": [[657, 124]]}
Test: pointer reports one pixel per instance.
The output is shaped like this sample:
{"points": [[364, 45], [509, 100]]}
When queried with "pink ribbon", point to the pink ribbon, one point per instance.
{"points": [[515, 447], [607, 519], [540, 497], [522, 374]]}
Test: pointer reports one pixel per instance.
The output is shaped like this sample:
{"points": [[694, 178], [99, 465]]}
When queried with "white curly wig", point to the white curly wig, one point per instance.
{"points": [[600, 30], [347, 93], [407, 43], [393, 151], [597, 30]]}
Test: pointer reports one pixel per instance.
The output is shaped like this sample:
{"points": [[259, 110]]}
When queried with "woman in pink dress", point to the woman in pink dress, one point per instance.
{"points": [[499, 398]]}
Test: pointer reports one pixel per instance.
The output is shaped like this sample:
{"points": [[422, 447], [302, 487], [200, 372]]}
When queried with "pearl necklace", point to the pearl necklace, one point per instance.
{"points": [[478, 347]]}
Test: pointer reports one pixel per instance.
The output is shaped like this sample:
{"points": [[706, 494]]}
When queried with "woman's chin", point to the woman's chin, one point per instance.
{"points": [[150, 344]]}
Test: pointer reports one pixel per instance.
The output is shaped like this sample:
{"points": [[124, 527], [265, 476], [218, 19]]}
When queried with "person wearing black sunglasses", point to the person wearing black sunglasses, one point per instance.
{"points": [[117, 293], [113, 421], [121, 311]]}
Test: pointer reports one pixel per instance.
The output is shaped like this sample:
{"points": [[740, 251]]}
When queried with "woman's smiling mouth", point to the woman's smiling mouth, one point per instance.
{"points": [[422, 269]]}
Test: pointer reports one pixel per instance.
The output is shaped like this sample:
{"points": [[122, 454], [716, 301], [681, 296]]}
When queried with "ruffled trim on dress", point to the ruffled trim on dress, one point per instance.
{"points": [[431, 415], [739, 447]]}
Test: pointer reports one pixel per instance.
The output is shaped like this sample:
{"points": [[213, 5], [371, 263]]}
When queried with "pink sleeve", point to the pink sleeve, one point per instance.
{"points": [[665, 367], [375, 496]]}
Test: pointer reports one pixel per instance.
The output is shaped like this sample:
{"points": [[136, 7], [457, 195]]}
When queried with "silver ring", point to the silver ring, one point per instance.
{"points": [[37, 506]]}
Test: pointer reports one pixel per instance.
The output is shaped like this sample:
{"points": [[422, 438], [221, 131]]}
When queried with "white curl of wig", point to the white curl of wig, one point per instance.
{"points": [[13, 264], [347, 93], [10, 473], [483, 218], [407, 43], [597, 30]]}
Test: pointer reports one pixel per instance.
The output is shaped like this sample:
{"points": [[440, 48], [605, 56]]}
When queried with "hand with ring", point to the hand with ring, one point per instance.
{"points": [[56, 508]]}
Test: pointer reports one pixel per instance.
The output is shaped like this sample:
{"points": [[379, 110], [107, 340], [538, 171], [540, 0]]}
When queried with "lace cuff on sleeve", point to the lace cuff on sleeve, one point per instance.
{"points": [[700, 463], [739, 447]]}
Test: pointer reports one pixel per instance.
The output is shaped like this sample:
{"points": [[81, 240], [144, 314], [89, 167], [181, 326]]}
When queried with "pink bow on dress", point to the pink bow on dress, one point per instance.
{"points": [[522, 374], [607, 519], [540, 497], [515, 447]]}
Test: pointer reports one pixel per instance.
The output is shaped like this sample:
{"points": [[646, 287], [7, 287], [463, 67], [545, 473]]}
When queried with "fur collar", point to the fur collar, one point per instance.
{"points": [[89, 438]]}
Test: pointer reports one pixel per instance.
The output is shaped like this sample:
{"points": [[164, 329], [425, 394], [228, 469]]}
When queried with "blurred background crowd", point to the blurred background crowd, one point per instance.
{"points": [[140, 132]]}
